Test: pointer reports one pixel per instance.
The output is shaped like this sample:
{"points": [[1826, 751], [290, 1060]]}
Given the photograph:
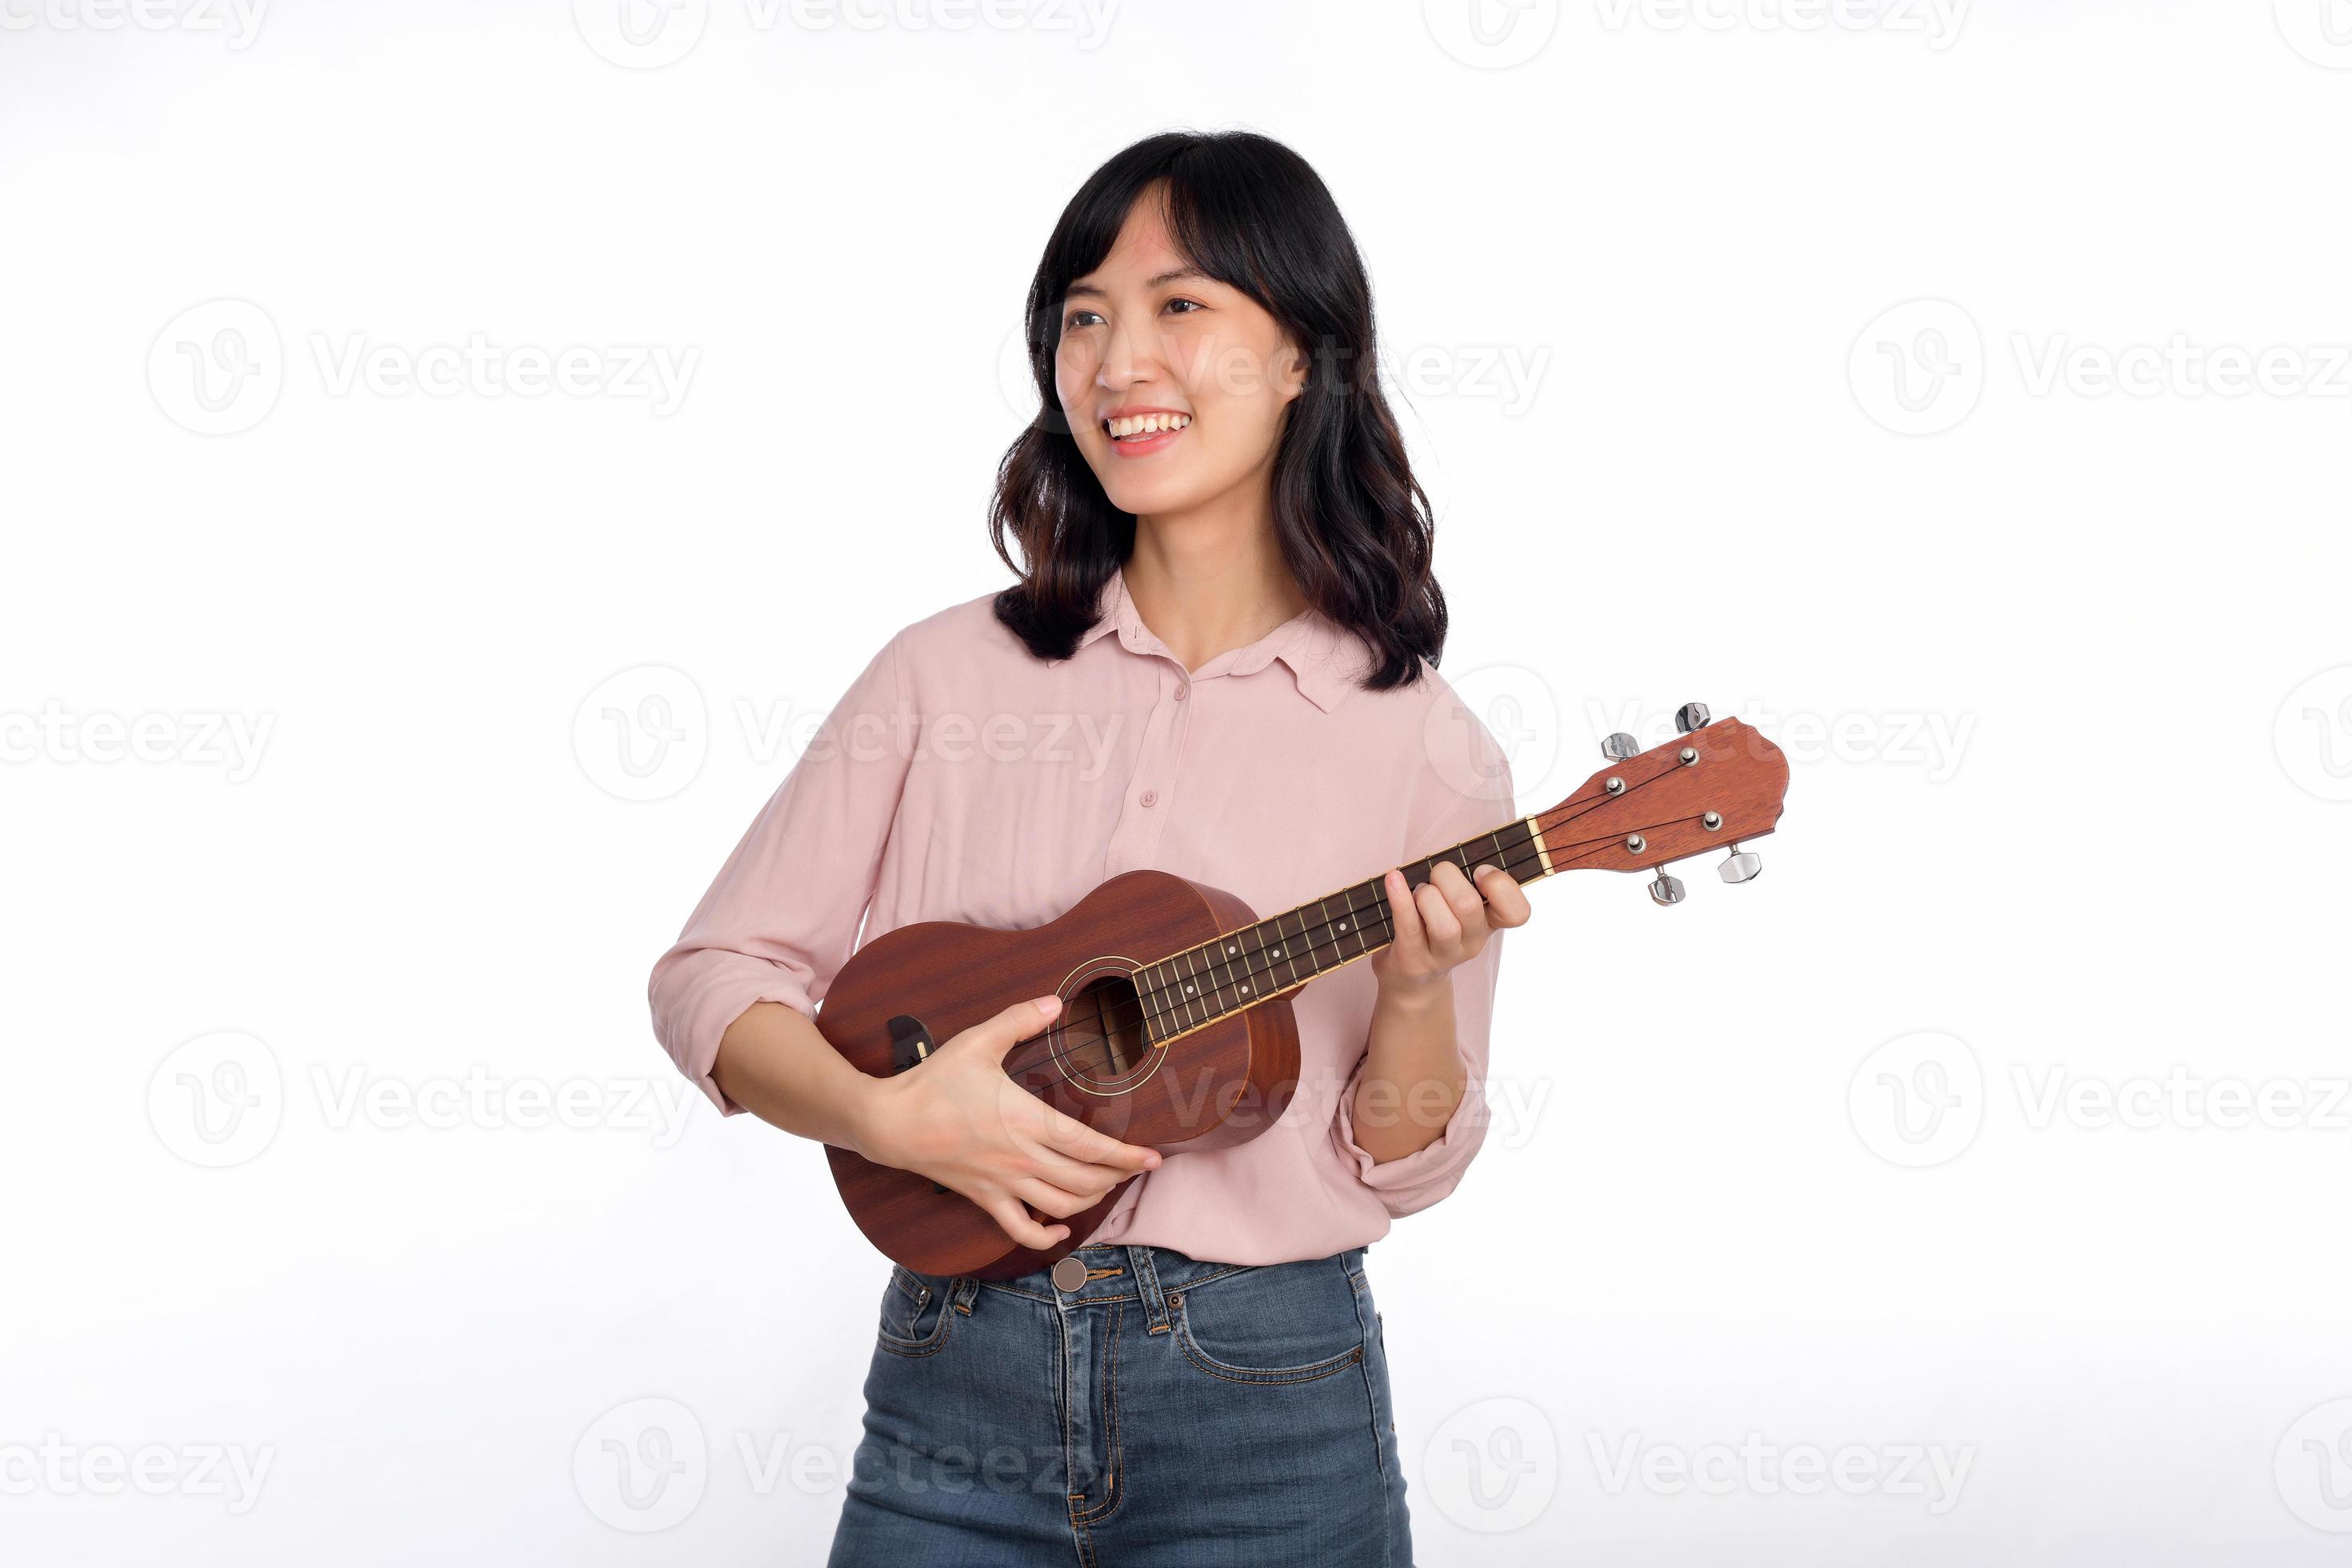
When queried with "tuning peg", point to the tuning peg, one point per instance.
{"points": [[1667, 889], [1693, 716], [1619, 747], [1740, 866]]}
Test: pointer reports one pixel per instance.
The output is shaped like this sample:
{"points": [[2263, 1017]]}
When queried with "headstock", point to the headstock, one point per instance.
{"points": [[1721, 783]]}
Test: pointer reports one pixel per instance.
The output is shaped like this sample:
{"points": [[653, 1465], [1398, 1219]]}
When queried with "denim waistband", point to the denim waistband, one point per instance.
{"points": [[1116, 1271]]}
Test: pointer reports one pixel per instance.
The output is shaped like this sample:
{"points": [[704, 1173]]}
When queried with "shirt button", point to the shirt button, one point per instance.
{"points": [[1151, 798], [1183, 692]]}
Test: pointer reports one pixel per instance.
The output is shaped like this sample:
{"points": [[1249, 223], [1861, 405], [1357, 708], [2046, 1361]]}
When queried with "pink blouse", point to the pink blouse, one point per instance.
{"points": [[961, 778]]}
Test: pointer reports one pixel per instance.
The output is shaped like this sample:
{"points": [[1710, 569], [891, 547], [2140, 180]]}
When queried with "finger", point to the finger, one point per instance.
{"points": [[1071, 1136], [1506, 901], [1050, 1199], [1462, 895], [1017, 1023], [1438, 919], [1411, 941], [1015, 1222], [1077, 1176]]}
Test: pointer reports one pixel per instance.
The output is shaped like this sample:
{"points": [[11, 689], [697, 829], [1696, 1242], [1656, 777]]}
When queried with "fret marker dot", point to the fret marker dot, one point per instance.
{"points": [[1245, 989], [1187, 991], [1231, 948]]}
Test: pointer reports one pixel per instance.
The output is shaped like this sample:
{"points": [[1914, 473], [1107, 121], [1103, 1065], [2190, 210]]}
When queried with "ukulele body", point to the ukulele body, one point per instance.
{"points": [[910, 991]]}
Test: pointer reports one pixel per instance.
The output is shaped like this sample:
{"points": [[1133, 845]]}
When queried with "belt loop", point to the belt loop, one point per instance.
{"points": [[962, 1293], [1147, 1286]]}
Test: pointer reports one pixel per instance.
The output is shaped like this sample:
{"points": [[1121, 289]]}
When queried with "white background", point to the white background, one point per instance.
{"points": [[2063, 670]]}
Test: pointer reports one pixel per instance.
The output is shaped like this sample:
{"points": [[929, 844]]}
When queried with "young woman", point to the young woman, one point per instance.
{"points": [[1218, 662]]}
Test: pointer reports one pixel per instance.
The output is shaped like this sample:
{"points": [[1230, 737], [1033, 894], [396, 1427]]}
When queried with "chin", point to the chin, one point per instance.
{"points": [[1141, 497]]}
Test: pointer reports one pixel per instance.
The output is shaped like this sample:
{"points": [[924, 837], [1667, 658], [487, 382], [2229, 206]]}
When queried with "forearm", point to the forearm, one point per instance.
{"points": [[1413, 1072], [774, 1064]]}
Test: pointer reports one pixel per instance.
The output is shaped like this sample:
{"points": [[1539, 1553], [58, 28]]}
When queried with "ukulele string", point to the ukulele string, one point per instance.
{"points": [[1512, 862], [1164, 1002]]}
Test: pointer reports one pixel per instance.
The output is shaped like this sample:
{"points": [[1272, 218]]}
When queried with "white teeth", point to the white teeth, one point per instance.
{"points": [[1145, 424]]}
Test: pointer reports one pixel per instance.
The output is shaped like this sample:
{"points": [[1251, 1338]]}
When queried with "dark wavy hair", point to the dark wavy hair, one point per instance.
{"points": [[1353, 523]]}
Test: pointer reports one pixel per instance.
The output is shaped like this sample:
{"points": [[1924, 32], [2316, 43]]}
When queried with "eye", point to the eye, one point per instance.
{"points": [[1072, 319], [1179, 299]]}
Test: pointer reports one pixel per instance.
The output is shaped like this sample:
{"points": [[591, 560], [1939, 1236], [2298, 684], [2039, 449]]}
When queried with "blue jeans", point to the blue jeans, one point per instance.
{"points": [[1168, 1411]]}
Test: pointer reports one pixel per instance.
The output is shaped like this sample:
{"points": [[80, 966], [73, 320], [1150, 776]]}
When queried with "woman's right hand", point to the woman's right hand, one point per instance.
{"points": [[959, 1120]]}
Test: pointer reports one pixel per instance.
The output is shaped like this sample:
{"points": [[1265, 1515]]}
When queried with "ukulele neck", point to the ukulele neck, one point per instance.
{"points": [[1242, 968]]}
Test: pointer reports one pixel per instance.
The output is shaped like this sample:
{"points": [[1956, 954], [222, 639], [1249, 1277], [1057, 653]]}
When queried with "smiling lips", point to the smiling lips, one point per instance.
{"points": [[1139, 434]]}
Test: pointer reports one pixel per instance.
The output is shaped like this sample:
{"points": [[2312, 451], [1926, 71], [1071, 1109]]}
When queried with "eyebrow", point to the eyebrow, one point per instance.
{"points": [[1172, 276]]}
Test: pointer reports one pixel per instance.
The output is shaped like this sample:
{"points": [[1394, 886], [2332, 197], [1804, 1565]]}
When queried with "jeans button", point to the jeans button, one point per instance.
{"points": [[1069, 1274]]}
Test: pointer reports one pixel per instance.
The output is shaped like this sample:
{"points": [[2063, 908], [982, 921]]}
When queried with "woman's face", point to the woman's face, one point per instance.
{"points": [[1196, 375]]}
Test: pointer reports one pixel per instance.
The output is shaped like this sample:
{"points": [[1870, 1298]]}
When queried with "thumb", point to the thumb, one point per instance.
{"points": [[1018, 1023]]}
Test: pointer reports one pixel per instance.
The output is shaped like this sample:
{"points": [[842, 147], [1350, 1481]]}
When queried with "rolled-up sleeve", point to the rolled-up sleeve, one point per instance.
{"points": [[783, 915], [1421, 1178]]}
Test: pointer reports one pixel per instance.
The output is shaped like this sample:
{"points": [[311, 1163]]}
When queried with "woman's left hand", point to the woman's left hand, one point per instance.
{"points": [[1447, 921]]}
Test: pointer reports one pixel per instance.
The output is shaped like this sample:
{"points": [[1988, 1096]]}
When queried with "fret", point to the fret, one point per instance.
{"points": [[1241, 968], [1288, 949]]}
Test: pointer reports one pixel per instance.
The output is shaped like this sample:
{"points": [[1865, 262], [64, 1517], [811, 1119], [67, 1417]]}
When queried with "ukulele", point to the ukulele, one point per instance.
{"points": [[1193, 1046]]}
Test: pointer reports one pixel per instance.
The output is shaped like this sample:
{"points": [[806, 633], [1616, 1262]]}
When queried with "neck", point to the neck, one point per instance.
{"points": [[1204, 589]]}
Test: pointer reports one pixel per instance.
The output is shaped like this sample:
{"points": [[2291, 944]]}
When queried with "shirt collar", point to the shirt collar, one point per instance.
{"points": [[1325, 659]]}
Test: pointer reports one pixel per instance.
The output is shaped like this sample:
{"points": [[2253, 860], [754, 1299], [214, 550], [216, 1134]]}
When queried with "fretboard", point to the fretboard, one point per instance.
{"points": [[1242, 968]]}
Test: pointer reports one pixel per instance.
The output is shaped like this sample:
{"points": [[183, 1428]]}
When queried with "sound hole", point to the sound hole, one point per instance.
{"points": [[1102, 1035]]}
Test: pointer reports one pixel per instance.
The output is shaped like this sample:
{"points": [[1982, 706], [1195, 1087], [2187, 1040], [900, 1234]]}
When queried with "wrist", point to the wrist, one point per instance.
{"points": [[867, 1120], [1412, 998]]}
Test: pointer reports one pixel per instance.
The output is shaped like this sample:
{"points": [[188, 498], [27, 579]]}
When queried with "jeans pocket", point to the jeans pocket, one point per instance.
{"points": [[914, 1315], [1285, 1322]]}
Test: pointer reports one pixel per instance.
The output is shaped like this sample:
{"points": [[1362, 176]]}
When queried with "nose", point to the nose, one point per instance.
{"points": [[1131, 355]]}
